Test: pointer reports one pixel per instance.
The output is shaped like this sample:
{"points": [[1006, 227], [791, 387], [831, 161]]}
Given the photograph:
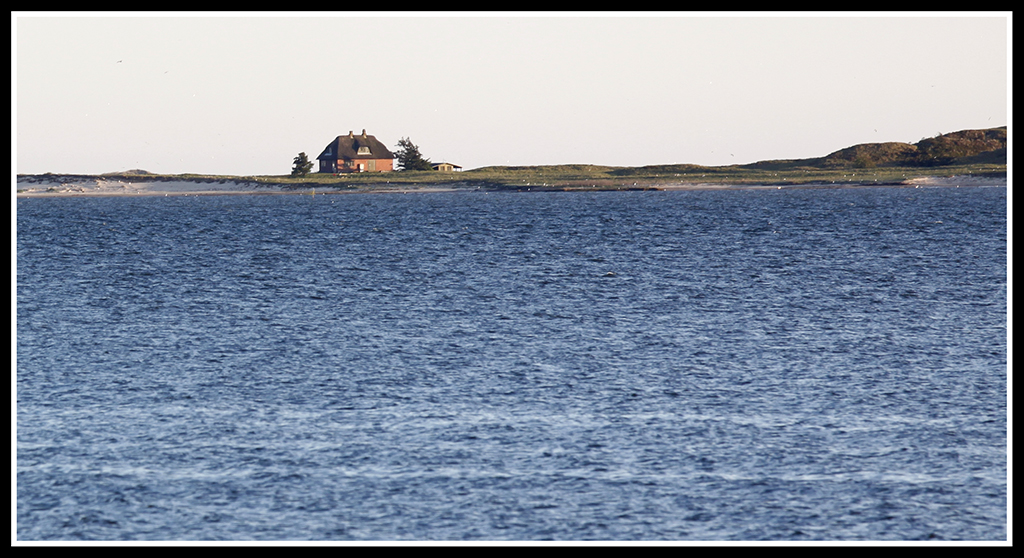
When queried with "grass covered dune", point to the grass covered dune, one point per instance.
{"points": [[556, 178], [968, 157]]}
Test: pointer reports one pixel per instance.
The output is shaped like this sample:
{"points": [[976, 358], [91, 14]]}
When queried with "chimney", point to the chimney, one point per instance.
{"points": [[364, 132], [350, 133]]}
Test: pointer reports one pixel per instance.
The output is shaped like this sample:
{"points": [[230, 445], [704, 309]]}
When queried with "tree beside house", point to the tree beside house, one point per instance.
{"points": [[409, 157], [301, 165]]}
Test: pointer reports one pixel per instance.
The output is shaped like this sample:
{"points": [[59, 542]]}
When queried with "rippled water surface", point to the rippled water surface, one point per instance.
{"points": [[694, 366]]}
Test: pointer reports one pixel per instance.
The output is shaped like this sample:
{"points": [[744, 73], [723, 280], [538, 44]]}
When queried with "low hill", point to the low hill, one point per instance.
{"points": [[663, 169], [994, 157], [872, 155], [948, 149], [550, 169], [956, 148]]}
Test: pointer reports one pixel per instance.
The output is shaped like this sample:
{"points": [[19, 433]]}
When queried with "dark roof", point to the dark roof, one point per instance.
{"points": [[347, 147]]}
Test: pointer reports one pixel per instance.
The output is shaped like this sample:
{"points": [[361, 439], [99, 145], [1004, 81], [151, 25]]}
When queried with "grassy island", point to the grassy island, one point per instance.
{"points": [[968, 153]]}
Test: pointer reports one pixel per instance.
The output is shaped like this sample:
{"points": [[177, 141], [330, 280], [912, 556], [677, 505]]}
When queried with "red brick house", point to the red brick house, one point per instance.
{"points": [[354, 153]]}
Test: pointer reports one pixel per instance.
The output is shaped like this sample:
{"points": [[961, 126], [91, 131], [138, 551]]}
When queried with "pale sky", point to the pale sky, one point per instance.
{"points": [[222, 94]]}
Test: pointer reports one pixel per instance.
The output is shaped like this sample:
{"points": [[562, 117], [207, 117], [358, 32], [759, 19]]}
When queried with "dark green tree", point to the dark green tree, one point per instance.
{"points": [[302, 165], [409, 158]]}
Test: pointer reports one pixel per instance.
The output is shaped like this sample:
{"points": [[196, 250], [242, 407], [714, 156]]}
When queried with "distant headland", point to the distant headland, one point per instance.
{"points": [[967, 157]]}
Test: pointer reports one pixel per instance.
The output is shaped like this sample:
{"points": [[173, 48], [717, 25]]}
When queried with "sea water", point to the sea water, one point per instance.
{"points": [[641, 366]]}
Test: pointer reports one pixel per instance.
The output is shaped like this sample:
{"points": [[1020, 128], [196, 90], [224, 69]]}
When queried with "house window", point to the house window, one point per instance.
{"points": [[363, 150]]}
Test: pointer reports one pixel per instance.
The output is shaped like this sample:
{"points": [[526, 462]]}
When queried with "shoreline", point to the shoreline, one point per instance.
{"points": [[96, 186]]}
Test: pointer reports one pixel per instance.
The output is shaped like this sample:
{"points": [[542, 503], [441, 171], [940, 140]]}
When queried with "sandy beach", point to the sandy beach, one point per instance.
{"points": [[68, 186], [956, 181]]}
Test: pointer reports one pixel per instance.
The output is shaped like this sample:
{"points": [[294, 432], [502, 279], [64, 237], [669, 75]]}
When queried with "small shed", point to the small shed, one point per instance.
{"points": [[445, 167]]}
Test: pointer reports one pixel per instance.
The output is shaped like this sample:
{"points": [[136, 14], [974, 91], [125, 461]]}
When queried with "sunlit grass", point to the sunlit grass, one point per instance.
{"points": [[587, 176], [967, 152]]}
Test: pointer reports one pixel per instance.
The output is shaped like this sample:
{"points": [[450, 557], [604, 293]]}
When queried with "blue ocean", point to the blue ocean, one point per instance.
{"points": [[738, 365]]}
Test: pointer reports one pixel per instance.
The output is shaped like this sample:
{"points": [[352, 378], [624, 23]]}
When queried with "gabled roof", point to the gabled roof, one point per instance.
{"points": [[355, 146]]}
